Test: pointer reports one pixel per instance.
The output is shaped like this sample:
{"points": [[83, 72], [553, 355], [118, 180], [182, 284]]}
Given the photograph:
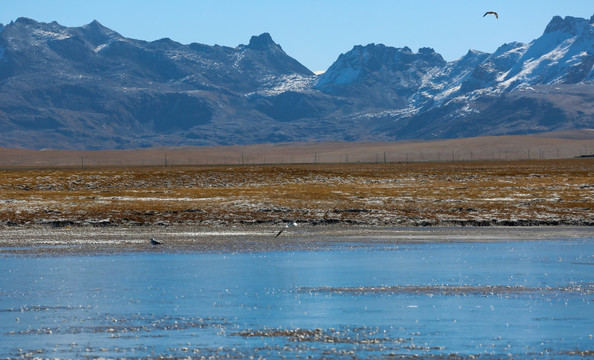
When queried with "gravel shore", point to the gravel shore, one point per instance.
{"points": [[41, 240]]}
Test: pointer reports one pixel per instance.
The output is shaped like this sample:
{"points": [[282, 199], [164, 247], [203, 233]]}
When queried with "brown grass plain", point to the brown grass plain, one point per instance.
{"points": [[558, 145], [57, 191]]}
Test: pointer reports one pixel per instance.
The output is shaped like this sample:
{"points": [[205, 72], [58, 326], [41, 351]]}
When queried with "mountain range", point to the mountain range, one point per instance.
{"points": [[90, 88]]}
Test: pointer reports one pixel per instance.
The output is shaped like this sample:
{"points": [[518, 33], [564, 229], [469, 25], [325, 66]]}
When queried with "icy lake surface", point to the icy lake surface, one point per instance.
{"points": [[518, 299]]}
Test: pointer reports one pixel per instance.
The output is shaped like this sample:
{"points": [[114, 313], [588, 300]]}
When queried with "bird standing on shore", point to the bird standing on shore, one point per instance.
{"points": [[156, 242], [491, 12], [286, 227]]}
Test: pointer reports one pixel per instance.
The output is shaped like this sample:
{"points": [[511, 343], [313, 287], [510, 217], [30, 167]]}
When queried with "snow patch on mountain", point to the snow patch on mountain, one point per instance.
{"points": [[549, 59], [275, 85], [237, 59], [343, 76], [100, 47], [42, 36]]}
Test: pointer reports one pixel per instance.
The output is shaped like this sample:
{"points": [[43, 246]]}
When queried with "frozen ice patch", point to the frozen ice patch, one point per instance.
{"points": [[130, 198]]}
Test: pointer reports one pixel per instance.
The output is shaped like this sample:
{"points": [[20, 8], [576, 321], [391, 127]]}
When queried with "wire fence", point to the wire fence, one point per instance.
{"points": [[285, 154]]}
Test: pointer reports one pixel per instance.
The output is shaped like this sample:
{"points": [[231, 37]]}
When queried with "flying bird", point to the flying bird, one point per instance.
{"points": [[156, 242], [491, 12], [286, 227]]}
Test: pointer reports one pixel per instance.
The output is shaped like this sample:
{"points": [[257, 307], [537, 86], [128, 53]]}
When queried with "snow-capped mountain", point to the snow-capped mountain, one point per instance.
{"points": [[382, 75], [91, 88], [521, 88], [562, 55]]}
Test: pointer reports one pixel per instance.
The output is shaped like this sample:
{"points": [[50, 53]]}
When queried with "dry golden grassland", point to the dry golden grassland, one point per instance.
{"points": [[537, 192], [517, 147]]}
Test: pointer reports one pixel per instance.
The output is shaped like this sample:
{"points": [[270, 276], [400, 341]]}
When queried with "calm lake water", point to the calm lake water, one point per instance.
{"points": [[523, 300]]}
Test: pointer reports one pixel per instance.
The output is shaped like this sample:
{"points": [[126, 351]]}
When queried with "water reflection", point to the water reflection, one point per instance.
{"points": [[527, 299]]}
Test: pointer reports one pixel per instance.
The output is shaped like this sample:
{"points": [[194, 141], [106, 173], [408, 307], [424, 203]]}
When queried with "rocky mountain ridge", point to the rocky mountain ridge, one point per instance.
{"points": [[91, 88]]}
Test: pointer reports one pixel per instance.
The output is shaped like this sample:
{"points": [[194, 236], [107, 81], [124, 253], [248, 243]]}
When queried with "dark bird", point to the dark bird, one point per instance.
{"points": [[156, 242], [286, 227], [491, 12]]}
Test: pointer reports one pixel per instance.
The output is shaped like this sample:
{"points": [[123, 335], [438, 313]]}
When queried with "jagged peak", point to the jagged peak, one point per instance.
{"points": [[472, 53], [373, 50], [26, 21], [262, 42], [95, 27], [472, 56], [381, 48], [37, 29], [94, 24], [374, 46], [166, 42], [98, 33], [426, 51], [508, 47], [30, 25], [569, 24], [372, 58]]}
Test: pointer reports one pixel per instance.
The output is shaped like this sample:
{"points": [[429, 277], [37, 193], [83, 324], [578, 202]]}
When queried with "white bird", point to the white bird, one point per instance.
{"points": [[286, 227], [156, 242]]}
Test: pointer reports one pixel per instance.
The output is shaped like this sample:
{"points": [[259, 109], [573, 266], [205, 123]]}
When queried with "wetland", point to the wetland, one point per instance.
{"points": [[465, 260], [392, 293]]}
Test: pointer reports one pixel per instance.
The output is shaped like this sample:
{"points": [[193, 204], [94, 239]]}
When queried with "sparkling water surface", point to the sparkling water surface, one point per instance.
{"points": [[514, 299]]}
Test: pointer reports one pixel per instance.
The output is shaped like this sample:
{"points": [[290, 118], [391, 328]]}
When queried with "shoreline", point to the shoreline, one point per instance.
{"points": [[45, 241], [399, 223]]}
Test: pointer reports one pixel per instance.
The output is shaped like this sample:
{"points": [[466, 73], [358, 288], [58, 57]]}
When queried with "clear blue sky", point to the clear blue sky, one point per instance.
{"points": [[314, 32]]}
